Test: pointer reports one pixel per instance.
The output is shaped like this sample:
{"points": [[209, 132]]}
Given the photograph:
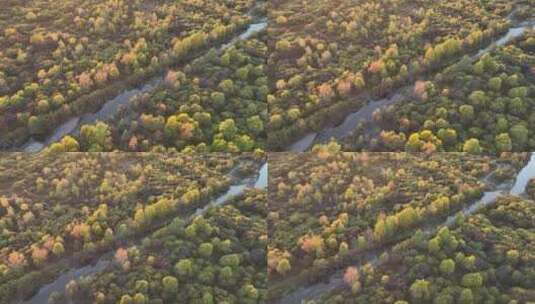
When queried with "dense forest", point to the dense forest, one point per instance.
{"points": [[328, 58], [61, 63], [480, 106], [486, 258], [61, 211], [217, 104], [328, 209], [136, 135], [218, 257]]}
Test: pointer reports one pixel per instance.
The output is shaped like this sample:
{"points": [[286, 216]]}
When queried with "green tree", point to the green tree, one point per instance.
{"points": [[472, 280], [172, 126], [433, 246], [70, 144], [206, 249], [207, 275], [283, 266], [361, 242], [420, 290], [255, 124], [244, 142], [218, 99], [283, 45], [231, 260], [36, 125], [519, 135], [414, 144], [249, 291], [293, 114], [447, 266], [495, 84], [408, 217], [126, 299], [469, 262], [472, 146], [517, 106], [478, 99], [139, 299], [227, 86], [243, 73], [503, 143], [466, 297], [502, 125], [226, 275], [467, 114], [228, 128], [513, 256], [184, 267], [95, 138], [58, 249], [379, 230], [448, 136], [343, 249], [170, 285], [142, 286], [207, 298]]}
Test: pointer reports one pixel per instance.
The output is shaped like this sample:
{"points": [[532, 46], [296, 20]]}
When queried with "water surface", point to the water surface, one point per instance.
{"points": [[59, 284], [123, 100], [365, 114], [489, 197]]}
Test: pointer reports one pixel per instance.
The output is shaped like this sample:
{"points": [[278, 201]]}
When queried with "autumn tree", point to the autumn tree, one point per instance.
{"points": [[313, 245], [352, 279]]}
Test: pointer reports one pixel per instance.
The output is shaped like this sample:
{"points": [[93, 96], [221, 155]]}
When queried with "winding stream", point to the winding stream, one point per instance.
{"points": [[112, 106], [259, 183], [59, 284], [365, 114], [336, 279]]}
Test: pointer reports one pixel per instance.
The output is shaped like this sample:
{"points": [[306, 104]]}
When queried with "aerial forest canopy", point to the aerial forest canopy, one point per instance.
{"points": [[102, 75], [483, 105], [329, 210], [330, 58], [217, 103], [136, 136], [214, 258], [67, 210], [486, 257]]}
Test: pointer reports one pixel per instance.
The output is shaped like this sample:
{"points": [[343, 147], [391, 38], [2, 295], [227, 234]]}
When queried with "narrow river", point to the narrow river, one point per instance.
{"points": [[365, 114], [59, 284], [112, 106], [336, 279]]}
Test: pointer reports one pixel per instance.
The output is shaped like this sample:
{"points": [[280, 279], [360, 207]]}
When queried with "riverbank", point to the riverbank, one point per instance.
{"points": [[103, 104], [342, 117], [312, 282], [54, 277]]}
